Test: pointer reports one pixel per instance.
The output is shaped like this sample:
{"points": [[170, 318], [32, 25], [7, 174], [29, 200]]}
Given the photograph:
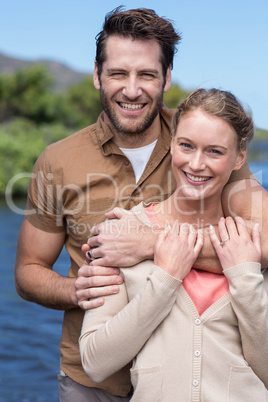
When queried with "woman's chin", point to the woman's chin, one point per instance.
{"points": [[192, 194]]}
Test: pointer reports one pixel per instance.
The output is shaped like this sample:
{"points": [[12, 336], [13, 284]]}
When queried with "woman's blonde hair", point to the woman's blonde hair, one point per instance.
{"points": [[222, 104]]}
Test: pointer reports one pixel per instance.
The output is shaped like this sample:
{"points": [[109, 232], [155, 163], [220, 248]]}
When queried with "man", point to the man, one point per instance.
{"points": [[77, 180]]}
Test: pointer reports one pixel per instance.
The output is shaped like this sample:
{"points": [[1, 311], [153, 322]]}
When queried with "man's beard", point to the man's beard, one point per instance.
{"points": [[127, 129]]}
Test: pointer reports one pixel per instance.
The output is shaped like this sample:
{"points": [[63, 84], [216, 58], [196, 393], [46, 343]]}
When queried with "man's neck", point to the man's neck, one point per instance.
{"points": [[123, 140]]}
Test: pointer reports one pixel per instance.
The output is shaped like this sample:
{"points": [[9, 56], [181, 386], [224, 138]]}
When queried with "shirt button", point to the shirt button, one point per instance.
{"points": [[195, 383], [197, 353], [197, 321]]}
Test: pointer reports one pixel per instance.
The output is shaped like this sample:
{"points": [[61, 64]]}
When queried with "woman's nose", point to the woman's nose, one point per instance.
{"points": [[197, 161]]}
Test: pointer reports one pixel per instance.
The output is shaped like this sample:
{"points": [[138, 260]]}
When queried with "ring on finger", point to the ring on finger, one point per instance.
{"points": [[224, 241], [89, 254]]}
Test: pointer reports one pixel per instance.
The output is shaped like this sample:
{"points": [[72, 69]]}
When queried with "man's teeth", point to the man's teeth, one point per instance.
{"points": [[196, 178], [130, 106]]}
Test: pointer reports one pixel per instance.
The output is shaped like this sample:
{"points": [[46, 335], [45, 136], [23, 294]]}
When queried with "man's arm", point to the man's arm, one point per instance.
{"points": [[126, 241], [35, 279]]}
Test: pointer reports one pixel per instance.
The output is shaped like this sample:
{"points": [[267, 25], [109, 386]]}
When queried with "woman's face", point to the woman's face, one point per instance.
{"points": [[204, 153]]}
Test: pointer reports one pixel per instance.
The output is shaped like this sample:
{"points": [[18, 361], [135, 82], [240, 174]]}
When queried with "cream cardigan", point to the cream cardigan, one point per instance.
{"points": [[178, 355]]}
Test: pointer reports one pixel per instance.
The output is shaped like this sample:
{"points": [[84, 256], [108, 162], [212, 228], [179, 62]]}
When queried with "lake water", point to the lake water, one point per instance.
{"points": [[30, 334]]}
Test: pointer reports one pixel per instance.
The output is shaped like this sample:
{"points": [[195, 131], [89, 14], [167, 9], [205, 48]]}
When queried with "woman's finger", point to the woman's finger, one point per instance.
{"points": [[160, 239], [223, 232], [241, 226], [184, 230], [231, 226], [214, 239], [192, 236], [174, 229], [256, 237], [199, 242]]}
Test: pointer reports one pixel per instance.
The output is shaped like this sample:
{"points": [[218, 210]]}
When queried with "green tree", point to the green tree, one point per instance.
{"points": [[85, 102], [28, 94], [21, 142], [174, 96]]}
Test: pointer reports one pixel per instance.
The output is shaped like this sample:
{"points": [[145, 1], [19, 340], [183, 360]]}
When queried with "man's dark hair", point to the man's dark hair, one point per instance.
{"points": [[141, 24]]}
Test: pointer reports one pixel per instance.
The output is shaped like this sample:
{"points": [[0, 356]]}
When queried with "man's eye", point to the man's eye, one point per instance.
{"points": [[117, 75], [148, 75]]}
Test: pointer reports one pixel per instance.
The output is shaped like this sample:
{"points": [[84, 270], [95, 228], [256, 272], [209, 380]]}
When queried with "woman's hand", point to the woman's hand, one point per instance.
{"points": [[176, 249], [236, 246]]}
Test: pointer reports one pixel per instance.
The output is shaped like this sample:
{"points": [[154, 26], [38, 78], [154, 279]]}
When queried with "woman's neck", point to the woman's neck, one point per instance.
{"points": [[200, 213]]}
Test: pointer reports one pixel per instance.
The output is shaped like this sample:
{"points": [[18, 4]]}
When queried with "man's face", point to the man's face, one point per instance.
{"points": [[132, 84]]}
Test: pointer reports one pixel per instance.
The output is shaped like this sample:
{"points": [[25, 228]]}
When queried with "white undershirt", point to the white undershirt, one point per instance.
{"points": [[139, 157]]}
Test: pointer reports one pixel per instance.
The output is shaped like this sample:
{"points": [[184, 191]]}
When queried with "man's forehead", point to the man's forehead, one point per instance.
{"points": [[132, 49], [121, 41]]}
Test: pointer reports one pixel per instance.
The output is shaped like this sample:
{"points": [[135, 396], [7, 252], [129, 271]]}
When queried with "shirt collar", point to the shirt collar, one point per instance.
{"points": [[105, 134]]}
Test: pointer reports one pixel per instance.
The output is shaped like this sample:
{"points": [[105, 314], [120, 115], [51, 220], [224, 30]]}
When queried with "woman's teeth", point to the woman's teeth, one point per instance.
{"points": [[197, 178]]}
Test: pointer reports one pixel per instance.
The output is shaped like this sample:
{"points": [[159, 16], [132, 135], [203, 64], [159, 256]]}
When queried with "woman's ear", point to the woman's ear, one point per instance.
{"points": [[96, 80], [241, 159]]}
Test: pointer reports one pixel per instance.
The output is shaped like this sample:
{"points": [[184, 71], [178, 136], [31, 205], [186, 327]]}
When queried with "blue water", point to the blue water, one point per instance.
{"points": [[30, 334]]}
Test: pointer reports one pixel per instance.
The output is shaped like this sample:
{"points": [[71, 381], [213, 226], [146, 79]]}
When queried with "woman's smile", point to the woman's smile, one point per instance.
{"points": [[196, 179]]}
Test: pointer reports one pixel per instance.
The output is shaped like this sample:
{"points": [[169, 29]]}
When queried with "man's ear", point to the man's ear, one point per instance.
{"points": [[168, 80], [241, 159], [96, 80]]}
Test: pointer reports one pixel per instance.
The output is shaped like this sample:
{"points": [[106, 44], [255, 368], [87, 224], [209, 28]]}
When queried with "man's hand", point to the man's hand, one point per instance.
{"points": [[121, 241], [93, 282]]}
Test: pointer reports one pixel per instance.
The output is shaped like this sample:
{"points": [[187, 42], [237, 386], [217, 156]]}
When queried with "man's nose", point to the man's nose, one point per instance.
{"points": [[132, 88]]}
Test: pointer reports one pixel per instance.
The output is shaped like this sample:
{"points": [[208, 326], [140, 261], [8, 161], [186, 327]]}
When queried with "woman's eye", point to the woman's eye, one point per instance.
{"points": [[185, 145], [216, 152]]}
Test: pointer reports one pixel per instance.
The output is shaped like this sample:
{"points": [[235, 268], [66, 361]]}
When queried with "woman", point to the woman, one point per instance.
{"points": [[192, 335]]}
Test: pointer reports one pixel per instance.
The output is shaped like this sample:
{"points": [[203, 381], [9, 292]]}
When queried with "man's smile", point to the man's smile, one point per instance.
{"points": [[131, 106]]}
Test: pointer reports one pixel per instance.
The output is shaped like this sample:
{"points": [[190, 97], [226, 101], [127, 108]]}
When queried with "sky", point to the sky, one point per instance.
{"points": [[224, 44]]}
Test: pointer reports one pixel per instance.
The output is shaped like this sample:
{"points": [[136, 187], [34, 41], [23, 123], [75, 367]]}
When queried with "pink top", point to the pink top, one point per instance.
{"points": [[204, 288]]}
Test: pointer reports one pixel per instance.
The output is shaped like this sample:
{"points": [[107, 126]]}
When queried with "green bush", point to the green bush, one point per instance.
{"points": [[21, 142]]}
